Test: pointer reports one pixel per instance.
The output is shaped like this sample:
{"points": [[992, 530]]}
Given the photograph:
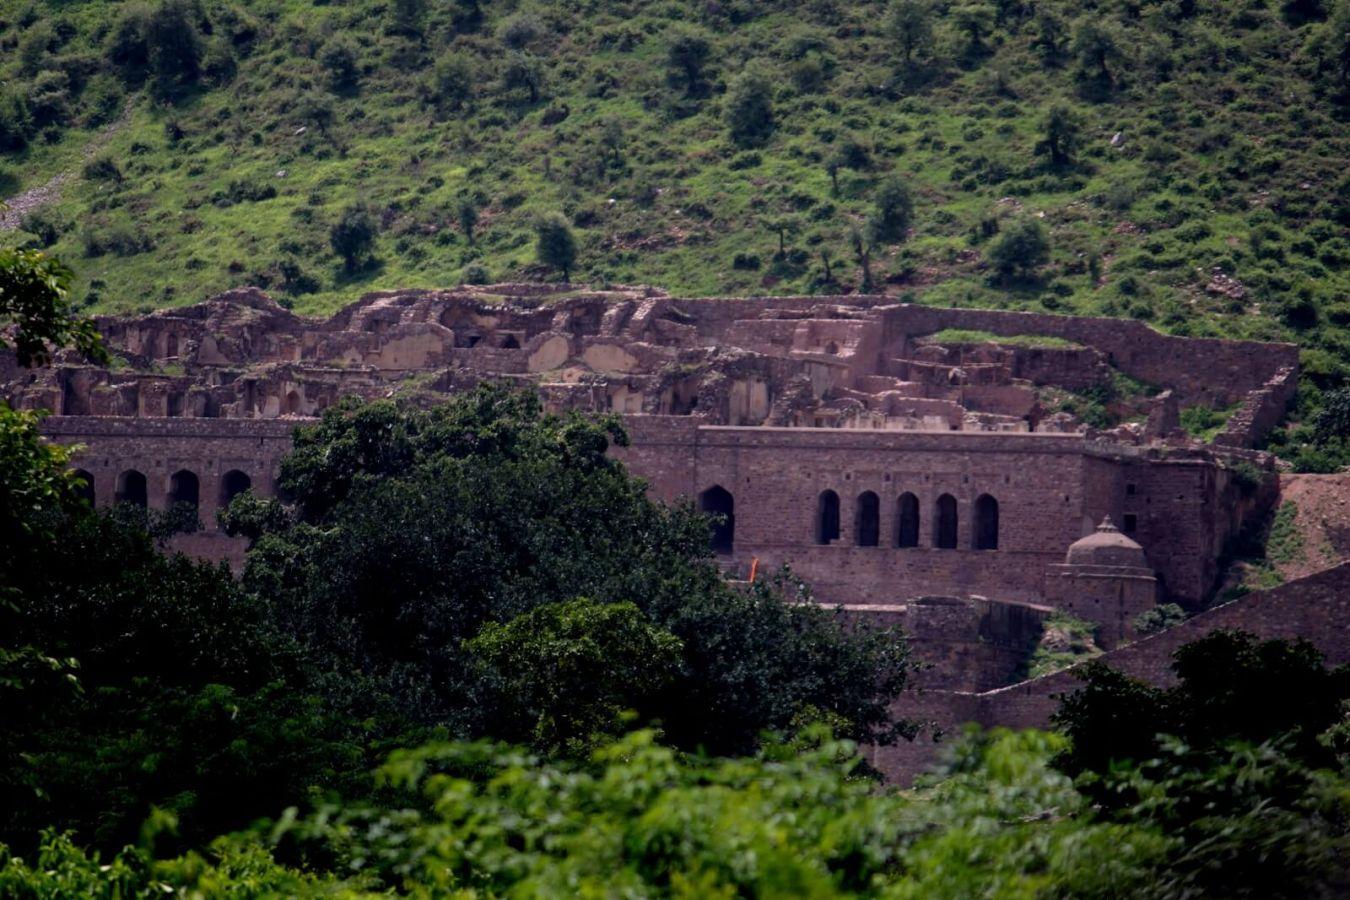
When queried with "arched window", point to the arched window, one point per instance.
{"points": [[907, 521], [510, 343], [292, 402], [985, 535], [184, 488], [944, 523], [867, 520], [827, 517], [131, 488], [717, 501], [85, 490], [232, 484]]}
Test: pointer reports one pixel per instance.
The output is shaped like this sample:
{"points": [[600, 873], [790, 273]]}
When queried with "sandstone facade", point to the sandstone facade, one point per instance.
{"points": [[890, 454]]}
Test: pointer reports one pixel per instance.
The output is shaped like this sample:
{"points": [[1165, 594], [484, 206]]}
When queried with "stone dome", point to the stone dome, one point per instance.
{"points": [[1106, 547]]}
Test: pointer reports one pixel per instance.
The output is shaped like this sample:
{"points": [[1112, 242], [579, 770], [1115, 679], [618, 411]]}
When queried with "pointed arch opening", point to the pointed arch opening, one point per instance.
{"points": [[84, 488], [985, 533], [131, 488], [944, 523], [827, 517], [717, 501], [293, 403], [867, 520], [232, 484], [907, 521], [185, 487]]}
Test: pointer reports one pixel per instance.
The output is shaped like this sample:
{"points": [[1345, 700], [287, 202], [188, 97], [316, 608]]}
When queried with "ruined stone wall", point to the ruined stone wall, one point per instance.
{"points": [[1263, 409], [1315, 608], [217, 452], [1199, 370]]}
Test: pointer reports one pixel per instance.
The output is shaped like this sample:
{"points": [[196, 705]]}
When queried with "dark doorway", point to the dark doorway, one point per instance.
{"points": [[85, 491], [717, 501], [131, 488], [907, 521], [184, 488], [827, 518], [232, 485], [944, 523], [986, 523], [867, 520]]}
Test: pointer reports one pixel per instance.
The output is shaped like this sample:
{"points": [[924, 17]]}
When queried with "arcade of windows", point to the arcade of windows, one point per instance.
{"points": [[184, 488], [718, 502]]}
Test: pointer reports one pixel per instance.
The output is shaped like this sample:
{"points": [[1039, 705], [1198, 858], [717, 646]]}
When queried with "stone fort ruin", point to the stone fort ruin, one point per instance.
{"points": [[960, 472]]}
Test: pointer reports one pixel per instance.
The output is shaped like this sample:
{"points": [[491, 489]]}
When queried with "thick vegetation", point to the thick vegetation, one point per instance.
{"points": [[446, 581]]}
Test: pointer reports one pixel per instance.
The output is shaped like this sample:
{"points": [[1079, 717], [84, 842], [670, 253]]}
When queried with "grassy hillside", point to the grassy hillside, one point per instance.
{"points": [[1186, 160]]}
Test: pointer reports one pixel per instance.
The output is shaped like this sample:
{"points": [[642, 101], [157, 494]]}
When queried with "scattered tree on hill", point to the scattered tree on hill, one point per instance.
{"points": [[861, 239], [353, 236], [910, 24], [339, 58], [783, 226], [555, 244], [405, 17], [686, 59], [1329, 48], [749, 109], [523, 74], [452, 81], [173, 45], [1333, 419], [975, 21], [1052, 37], [467, 212], [1019, 250], [1096, 43], [1062, 134], [16, 122], [893, 211]]}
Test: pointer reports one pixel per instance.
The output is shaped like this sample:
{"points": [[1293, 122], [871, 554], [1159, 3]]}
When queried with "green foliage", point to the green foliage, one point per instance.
{"points": [[1065, 641], [1159, 618], [1062, 136], [749, 109], [910, 24], [1284, 543], [893, 213], [1203, 422], [570, 671], [1332, 422], [35, 300], [1019, 250], [1231, 687], [412, 530], [353, 235], [555, 244]]}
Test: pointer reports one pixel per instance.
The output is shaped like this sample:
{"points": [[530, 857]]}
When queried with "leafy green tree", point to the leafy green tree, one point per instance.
{"points": [[569, 671], [1329, 48], [976, 22], [1097, 44], [1019, 250], [910, 24], [1052, 37], [406, 17], [513, 509], [16, 121], [173, 45], [523, 74], [452, 81], [467, 213], [340, 60], [1332, 422], [1159, 618], [863, 242], [555, 245], [749, 109], [783, 226], [353, 235], [1061, 136], [35, 300], [893, 211], [686, 61]]}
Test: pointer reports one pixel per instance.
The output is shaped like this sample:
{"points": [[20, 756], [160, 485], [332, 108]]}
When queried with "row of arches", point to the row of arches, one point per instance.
{"points": [[184, 487], [945, 520], [718, 503]]}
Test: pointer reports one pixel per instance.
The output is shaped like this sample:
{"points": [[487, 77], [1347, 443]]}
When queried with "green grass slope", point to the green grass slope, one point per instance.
{"points": [[1197, 178]]}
